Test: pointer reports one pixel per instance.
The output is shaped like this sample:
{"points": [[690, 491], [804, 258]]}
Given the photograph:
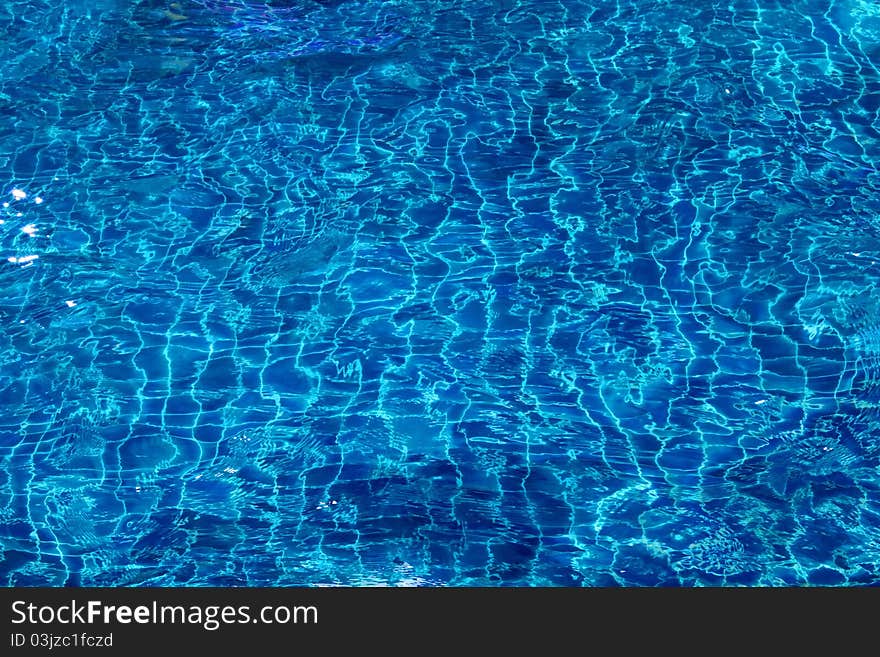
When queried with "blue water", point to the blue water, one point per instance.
{"points": [[520, 292]]}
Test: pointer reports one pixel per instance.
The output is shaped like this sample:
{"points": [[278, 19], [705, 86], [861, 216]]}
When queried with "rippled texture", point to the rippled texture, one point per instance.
{"points": [[440, 293]]}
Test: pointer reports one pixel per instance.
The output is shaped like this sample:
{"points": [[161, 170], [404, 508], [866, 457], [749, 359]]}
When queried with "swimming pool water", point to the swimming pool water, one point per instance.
{"points": [[516, 292]]}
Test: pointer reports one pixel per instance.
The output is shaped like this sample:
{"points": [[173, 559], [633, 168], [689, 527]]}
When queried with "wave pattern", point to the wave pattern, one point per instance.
{"points": [[521, 292]]}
